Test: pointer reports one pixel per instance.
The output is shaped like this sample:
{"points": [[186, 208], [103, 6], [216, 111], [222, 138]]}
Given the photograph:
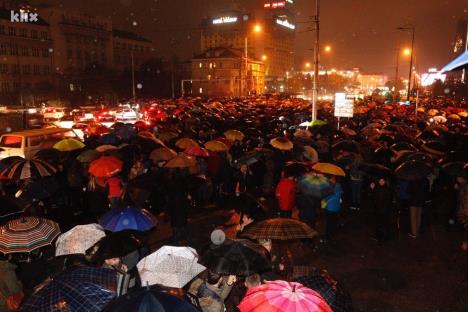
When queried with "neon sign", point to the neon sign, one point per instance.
{"points": [[275, 5], [225, 19], [285, 23]]}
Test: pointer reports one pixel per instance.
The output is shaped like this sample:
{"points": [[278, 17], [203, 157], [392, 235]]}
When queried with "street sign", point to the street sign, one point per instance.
{"points": [[343, 106]]}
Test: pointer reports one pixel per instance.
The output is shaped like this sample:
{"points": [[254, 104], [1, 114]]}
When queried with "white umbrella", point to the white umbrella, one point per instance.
{"points": [[78, 239], [170, 266]]}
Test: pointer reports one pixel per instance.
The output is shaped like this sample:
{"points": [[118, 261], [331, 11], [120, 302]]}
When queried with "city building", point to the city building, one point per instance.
{"points": [[128, 45], [370, 82], [25, 58], [223, 72], [460, 44], [265, 33]]}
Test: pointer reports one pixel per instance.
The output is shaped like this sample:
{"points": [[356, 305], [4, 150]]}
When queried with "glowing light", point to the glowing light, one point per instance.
{"points": [[257, 28], [285, 23], [327, 48], [407, 51], [225, 19], [264, 57], [307, 65]]}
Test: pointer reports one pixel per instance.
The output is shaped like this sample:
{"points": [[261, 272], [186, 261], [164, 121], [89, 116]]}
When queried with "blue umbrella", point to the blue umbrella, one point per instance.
{"points": [[128, 219], [315, 185], [149, 300], [82, 289]]}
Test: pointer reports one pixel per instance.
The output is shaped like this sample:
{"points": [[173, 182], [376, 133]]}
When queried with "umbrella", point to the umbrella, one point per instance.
{"points": [[128, 219], [109, 139], [185, 143], [167, 136], [310, 154], [279, 228], [282, 296], [146, 300], [88, 156], [346, 146], [150, 136], [335, 295], [402, 146], [314, 123], [8, 161], [440, 119], [412, 170], [79, 289], [239, 257], [348, 131], [282, 144], [315, 185], [116, 245], [376, 170], [435, 148], [78, 239], [327, 168], [454, 169], [26, 234], [234, 135], [105, 166], [248, 159], [97, 129], [39, 189], [170, 266], [295, 169], [216, 146], [26, 169], [197, 152], [50, 155], [124, 131], [454, 117], [370, 132], [162, 154], [68, 145], [300, 133], [181, 161], [106, 147]]}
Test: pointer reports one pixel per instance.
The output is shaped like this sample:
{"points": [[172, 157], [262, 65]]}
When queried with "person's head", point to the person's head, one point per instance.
{"points": [[252, 281], [244, 168], [267, 243], [382, 182], [332, 179], [213, 278]]}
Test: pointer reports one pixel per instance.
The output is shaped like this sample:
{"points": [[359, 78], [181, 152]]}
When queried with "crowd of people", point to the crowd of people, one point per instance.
{"points": [[258, 158]]}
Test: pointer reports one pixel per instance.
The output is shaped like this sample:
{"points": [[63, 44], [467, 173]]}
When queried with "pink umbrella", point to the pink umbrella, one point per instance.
{"points": [[282, 296]]}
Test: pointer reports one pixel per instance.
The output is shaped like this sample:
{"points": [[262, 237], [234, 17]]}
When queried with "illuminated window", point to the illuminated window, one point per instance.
{"points": [[200, 65], [200, 90], [211, 65]]}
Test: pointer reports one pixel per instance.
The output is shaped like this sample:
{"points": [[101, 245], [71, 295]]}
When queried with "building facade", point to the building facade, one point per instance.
{"points": [[128, 46], [224, 72], [25, 59]]}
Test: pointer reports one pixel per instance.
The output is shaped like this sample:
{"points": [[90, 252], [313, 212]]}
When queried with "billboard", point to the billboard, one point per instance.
{"points": [[344, 107]]}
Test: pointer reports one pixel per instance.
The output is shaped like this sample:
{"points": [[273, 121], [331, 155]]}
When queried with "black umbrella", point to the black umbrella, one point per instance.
{"points": [[40, 189], [7, 161], [248, 159], [435, 148], [346, 146], [454, 156], [376, 170], [413, 170], [146, 300], [11, 209], [428, 135], [402, 146], [387, 138], [296, 169], [50, 155], [454, 169], [240, 257], [382, 155]]}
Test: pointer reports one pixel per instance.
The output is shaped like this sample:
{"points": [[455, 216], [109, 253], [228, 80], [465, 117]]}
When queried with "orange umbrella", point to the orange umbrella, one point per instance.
{"points": [[185, 143], [463, 114], [327, 168], [234, 135], [216, 146], [162, 154], [181, 161], [97, 129], [453, 116], [105, 167], [282, 144]]}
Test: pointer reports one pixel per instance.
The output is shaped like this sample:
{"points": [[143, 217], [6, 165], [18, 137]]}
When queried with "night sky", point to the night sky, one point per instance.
{"points": [[361, 32]]}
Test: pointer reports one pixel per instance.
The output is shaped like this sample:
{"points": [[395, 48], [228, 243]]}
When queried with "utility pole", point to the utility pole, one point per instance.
{"points": [[397, 79], [316, 60], [133, 80], [411, 64], [246, 42]]}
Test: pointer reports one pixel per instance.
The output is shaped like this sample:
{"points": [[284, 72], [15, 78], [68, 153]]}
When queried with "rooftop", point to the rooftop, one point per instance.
{"points": [[128, 35]]}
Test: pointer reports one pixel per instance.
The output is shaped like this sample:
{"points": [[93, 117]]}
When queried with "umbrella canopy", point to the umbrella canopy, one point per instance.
{"points": [[327, 168], [162, 154], [197, 152], [282, 144], [240, 257], [170, 266], [310, 153], [88, 156], [105, 166], [105, 148], [454, 169], [234, 135], [68, 145], [26, 234], [216, 146], [110, 139], [78, 239], [347, 146], [279, 228], [412, 170], [124, 131], [334, 294], [116, 245], [296, 169], [301, 133], [435, 148], [97, 129], [146, 300], [185, 143], [282, 296], [167, 136], [39, 189], [376, 170], [26, 169], [128, 219], [181, 161], [50, 155], [80, 289], [348, 131], [315, 185]]}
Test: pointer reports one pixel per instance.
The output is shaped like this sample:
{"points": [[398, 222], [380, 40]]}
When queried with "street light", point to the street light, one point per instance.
{"points": [[407, 51], [307, 65], [327, 48], [257, 28], [264, 57], [411, 52]]}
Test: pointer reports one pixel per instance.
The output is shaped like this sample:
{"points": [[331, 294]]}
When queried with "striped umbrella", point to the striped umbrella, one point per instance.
{"points": [[27, 234], [26, 169]]}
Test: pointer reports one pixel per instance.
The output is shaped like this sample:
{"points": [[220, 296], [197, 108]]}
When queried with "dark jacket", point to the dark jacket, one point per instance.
{"points": [[419, 192], [381, 199]]}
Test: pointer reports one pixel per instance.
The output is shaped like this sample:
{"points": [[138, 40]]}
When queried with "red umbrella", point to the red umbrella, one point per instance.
{"points": [[105, 166], [282, 296], [197, 151]]}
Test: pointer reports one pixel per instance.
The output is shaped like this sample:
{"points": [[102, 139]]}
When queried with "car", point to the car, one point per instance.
{"points": [[65, 122], [126, 114], [80, 129], [55, 113]]}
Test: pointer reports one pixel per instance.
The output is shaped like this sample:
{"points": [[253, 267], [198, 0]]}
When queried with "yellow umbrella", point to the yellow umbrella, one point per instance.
{"points": [[162, 154], [432, 112], [216, 146], [463, 114], [327, 168], [282, 144], [421, 109], [185, 143], [234, 135], [453, 116], [68, 145], [181, 161]]}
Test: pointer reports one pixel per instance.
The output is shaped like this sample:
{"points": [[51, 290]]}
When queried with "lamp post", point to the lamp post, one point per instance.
{"points": [[316, 60], [412, 28], [256, 29]]}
